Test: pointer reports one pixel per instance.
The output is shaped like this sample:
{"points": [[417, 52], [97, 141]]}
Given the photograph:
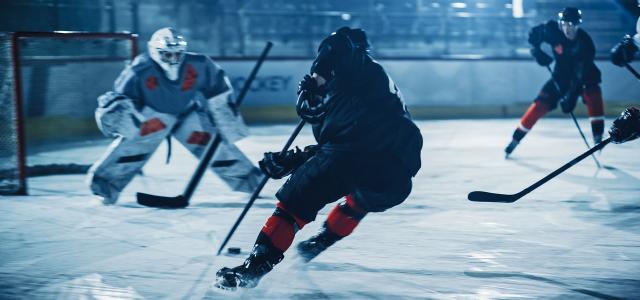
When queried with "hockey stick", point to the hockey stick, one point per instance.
{"points": [[182, 201], [573, 116], [479, 196], [632, 70], [256, 193]]}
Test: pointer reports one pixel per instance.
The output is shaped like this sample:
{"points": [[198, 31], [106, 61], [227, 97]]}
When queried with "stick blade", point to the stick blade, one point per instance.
{"points": [[162, 201], [479, 196]]}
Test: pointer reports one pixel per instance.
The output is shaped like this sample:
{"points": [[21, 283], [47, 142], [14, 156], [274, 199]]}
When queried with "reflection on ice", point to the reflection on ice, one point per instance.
{"points": [[577, 236]]}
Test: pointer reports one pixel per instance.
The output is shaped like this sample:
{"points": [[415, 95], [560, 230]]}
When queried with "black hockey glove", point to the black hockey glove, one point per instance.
{"points": [[311, 105], [310, 84], [568, 104], [277, 165], [626, 127], [536, 36], [541, 57], [623, 52]]}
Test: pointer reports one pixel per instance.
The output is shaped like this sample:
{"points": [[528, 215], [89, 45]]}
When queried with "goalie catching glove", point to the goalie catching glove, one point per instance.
{"points": [[277, 165], [116, 116], [626, 127]]}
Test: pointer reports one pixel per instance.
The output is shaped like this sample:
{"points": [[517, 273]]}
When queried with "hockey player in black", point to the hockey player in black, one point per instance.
{"points": [[574, 74], [368, 151], [627, 126]]}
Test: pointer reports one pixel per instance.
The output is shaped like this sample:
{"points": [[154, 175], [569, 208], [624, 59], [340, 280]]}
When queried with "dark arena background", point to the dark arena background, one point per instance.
{"points": [[468, 79]]}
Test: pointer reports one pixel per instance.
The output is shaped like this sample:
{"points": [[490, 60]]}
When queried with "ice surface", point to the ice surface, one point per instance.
{"points": [[577, 236]]}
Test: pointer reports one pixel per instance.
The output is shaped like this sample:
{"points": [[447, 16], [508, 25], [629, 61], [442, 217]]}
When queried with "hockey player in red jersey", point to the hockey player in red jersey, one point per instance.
{"points": [[168, 92], [574, 74], [368, 151]]}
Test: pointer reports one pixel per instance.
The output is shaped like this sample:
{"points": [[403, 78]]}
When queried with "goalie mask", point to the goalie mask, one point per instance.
{"points": [[569, 19], [166, 48]]}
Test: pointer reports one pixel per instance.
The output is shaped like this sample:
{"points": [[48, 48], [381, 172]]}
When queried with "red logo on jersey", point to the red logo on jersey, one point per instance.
{"points": [[151, 82], [199, 138], [558, 49], [151, 126], [189, 78]]}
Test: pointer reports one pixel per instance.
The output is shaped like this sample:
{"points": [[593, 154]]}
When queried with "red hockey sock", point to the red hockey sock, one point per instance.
{"points": [[281, 228], [536, 111], [592, 96], [344, 218]]}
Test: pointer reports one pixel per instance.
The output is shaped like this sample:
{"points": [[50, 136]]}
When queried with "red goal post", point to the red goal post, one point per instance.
{"points": [[42, 70]]}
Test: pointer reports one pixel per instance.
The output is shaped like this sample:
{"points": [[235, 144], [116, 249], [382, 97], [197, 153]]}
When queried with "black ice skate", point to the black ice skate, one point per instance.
{"points": [[316, 244], [259, 263], [510, 148]]}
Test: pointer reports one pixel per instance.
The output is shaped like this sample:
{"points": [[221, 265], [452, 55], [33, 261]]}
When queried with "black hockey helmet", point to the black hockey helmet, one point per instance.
{"points": [[570, 14], [341, 53]]}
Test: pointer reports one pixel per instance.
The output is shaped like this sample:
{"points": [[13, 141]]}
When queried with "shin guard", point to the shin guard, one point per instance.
{"points": [[280, 229], [344, 218], [536, 111], [592, 97]]}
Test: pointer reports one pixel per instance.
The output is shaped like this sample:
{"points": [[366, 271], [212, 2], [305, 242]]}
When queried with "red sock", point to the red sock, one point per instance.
{"points": [[592, 97], [344, 218], [281, 228], [536, 111]]}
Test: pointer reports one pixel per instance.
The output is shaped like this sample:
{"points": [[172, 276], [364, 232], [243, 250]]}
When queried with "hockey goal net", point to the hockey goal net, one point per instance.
{"points": [[49, 82]]}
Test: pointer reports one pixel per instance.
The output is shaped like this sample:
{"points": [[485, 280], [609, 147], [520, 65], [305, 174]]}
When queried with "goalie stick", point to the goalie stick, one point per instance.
{"points": [[575, 121], [182, 201], [256, 193], [479, 196]]}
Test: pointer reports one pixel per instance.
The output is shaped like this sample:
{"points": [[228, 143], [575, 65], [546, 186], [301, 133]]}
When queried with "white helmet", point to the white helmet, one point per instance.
{"points": [[167, 47]]}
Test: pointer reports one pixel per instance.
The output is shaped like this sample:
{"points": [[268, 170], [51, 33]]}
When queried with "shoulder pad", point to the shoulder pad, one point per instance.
{"points": [[194, 57], [142, 62]]}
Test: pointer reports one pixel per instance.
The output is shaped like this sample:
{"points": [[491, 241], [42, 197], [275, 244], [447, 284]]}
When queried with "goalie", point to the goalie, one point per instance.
{"points": [[165, 93]]}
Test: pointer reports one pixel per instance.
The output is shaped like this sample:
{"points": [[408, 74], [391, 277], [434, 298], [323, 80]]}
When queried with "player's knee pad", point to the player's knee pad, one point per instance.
{"points": [[116, 115], [344, 218]]}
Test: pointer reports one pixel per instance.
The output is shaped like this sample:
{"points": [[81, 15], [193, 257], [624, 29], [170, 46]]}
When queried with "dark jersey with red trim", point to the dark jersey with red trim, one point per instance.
{"points": [[574, 59], [367, 115], [146, 83]]}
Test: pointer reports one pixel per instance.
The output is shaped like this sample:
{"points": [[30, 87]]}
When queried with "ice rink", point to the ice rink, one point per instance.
{"points": [[576, 237]]}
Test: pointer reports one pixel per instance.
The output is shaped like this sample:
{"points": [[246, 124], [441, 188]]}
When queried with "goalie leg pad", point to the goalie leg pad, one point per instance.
{"points": [[124, 158], [227, 119], [228, 162]]}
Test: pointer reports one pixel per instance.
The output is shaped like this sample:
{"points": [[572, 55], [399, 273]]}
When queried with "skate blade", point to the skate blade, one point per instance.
{"points": [[223, 284]]}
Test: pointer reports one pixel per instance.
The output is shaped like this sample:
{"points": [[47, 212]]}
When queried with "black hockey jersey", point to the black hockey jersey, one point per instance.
{"points": [[574, 58], [368, 116]]}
